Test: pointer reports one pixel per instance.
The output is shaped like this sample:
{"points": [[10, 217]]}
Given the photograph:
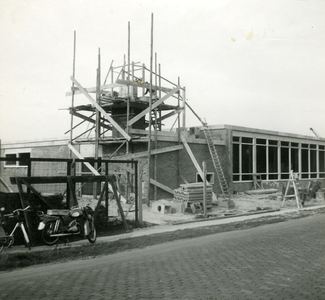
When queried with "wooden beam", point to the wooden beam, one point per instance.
{"points": [[157, 103], [169, 115], [91, 168], [100, 198], [118, 202], [89, 119], [87, 164], [6, 185], [77, 91], [153, 152], [22, 200], [72, 191], [58, 179], [159, 133], [143, 85], [190, 153], [104, 113], [161, 186], [25, 182]]}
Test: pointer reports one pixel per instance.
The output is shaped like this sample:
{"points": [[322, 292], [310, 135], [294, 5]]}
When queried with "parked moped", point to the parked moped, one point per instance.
{"points": [[58, 223]]}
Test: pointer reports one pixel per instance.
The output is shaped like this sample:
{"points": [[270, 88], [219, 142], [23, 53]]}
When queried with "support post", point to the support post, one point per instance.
{"points": [[27, 218], [73, 90], [140, 193], [204, 166], [150, 108], [97, 126]]}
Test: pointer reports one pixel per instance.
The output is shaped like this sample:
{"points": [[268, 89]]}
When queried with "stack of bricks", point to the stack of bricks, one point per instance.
{"points": [[192, 193]]}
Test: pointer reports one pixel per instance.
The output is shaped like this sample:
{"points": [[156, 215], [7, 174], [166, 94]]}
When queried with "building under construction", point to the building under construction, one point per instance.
{"points": [[125, 115]]}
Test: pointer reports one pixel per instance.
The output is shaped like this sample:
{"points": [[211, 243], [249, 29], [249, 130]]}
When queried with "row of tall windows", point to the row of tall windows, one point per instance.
{"points": [[274, 159]]}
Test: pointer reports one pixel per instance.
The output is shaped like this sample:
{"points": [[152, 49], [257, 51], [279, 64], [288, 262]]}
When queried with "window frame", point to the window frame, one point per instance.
{"points": [[303, 157], [18, 155]]}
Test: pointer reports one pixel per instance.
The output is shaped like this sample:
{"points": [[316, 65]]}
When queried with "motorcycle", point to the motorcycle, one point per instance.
{"points": [[58, 223]]}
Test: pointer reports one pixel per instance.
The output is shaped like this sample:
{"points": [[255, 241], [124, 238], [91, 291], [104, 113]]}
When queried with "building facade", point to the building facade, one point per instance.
{"points": [[242, 152]]}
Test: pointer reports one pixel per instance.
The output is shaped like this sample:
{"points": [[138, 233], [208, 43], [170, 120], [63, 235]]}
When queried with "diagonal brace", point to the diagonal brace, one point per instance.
{"points": [[157, 103], [103, 112]]}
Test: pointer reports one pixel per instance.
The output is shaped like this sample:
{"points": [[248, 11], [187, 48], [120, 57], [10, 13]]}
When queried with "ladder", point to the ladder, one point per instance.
{"points": [[292, 180], [216, 162]]}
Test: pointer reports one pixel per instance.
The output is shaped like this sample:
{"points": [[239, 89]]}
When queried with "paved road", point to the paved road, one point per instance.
{"points": [[279, 261]]}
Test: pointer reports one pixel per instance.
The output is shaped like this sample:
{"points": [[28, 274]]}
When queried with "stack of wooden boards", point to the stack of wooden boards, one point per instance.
{"points": [[191, 195]]}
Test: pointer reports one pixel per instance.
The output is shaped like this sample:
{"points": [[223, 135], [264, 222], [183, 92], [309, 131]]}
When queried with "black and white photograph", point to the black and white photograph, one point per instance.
{"points": [[159, 149]]}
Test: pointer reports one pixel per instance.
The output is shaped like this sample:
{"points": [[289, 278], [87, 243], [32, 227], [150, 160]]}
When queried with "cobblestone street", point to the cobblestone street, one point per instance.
{"points": [[279, 261]]}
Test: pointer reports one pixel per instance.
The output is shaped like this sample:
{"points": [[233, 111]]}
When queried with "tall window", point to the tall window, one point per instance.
{"points": [[261, 157], [294, 157], [313, 161], [275, 159], [304, 160], [321, 159], [285, 161], [247, 158], [243, 158]]}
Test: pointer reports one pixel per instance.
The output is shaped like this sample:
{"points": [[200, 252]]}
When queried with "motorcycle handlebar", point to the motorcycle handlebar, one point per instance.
{"points": [[18, 210]]}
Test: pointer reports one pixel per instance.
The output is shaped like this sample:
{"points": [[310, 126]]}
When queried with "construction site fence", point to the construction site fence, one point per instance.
{"points": [[124, 171]]}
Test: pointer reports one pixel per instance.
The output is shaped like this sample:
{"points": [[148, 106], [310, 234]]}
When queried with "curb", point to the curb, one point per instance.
{"points": [[163, 228]]}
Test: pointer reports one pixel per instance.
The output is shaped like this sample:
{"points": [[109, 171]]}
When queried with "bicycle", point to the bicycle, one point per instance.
{"points": [[8, 240]]}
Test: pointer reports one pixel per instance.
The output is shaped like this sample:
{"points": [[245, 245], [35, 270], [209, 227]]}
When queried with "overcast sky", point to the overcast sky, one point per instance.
{"points": [[252, 63]]}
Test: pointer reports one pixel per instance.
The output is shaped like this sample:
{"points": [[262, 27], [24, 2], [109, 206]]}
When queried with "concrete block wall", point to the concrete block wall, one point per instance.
{"points": [[39, 168]]}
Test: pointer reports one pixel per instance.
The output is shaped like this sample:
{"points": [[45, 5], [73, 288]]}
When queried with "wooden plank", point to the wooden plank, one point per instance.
{"points": [[143, 85], [261, 192], [159, 133], [58, 179], [161, 186], [77, 91], [156, 104], [87, 164], [169, 115], [6, 185], [190, 153], [104, 113], [89, 119], [153, 152], [173, 137]]}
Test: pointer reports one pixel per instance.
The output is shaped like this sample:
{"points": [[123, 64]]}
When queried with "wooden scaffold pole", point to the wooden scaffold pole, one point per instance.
{"points": [[97, 125], [150, 107], [73, 91], [156, 133]]}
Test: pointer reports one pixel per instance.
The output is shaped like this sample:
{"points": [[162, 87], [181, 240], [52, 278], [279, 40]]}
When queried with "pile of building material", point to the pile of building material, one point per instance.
{"points": [[191, 194]]}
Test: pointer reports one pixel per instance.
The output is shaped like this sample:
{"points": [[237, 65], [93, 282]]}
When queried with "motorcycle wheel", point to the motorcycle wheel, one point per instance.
{"points": [[48, 229], [92, 234]]}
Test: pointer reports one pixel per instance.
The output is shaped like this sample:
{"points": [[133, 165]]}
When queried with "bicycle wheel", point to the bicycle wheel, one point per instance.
{"points": [[92, 234], [46, 232]]}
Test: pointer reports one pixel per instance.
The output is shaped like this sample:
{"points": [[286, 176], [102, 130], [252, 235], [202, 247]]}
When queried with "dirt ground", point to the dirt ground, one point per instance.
{"points": [[244, 203]]}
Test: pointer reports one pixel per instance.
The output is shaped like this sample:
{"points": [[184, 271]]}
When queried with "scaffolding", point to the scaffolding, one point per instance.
{"points": [[130, 105]]}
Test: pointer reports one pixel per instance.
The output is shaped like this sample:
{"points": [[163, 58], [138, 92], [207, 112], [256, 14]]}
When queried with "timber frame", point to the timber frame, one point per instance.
{"points": [[129, 106], [71, 182]]}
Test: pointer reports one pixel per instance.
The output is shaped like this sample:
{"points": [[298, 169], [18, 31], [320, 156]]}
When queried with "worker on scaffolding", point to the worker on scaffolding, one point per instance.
{"points": [[153, 92]]}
